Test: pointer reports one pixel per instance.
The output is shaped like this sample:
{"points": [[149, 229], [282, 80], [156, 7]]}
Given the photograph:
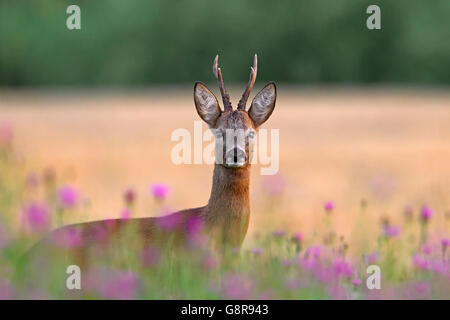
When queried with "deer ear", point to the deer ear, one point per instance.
{"points": [[206, 104], [263, 104]]}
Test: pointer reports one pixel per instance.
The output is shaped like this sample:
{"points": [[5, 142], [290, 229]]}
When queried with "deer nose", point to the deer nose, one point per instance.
{"points": [[236, 157]]}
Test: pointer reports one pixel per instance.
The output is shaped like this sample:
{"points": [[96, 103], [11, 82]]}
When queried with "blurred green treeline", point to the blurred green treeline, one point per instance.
{"points": [[140, 42]]}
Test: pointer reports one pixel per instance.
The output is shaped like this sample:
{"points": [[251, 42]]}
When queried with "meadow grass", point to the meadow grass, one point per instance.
{"points": [[413, 262], [384, 166]]}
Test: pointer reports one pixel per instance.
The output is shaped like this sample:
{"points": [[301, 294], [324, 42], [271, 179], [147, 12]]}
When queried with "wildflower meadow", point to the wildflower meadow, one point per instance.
{"points": [[410, 257]]}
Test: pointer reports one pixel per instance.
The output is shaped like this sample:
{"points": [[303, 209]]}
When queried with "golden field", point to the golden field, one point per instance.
{"points": [[390, 148]]}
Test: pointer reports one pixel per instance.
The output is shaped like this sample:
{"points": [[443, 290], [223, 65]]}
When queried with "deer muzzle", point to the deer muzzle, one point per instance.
{"points": [[235, 157]]}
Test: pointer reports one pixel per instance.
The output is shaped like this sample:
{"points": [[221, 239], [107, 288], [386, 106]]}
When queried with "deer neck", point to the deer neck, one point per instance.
{"points": [[228, 209]]}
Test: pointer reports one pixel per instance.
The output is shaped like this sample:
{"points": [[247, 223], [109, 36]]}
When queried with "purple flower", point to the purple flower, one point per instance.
{"points": [[297, 238], [194, 225], [356, 281], [427, 248], [445, 242], [120, 286], [279, 233], [237, 287], [313, 251], [129, 196], [68, 196], [391, 231], [160, 191], [169, 222], [309, 264], [372, 257], [110, 223], [36, 216], [426, 213], [440, 267], [274, 184], [342, 268], [68, 237], [422, 288], [100, 231], [328, 206], [125, 214], [257, 251], [195, 237], [420, 262]]}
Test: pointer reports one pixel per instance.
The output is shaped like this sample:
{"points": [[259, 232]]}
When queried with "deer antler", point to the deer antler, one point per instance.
{"points": [[225, 97], [251, 82]]}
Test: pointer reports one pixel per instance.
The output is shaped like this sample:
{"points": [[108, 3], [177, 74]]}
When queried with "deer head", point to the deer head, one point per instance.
{"points": [[234, 130]]}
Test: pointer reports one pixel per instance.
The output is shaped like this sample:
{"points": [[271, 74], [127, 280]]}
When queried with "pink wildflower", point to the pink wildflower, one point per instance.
{"points": [[120, 286], [257, 251], [342, 268], [169, 222], [298, 237], [427, 248], [420, 262], [391, 231], [68, 196], [237, 287], [279, 233], [68, 237], [194, 225], [160, 191], [129, 196], [329, 206], [313, 251], [426, 213], [36, 216], [125, 214]]}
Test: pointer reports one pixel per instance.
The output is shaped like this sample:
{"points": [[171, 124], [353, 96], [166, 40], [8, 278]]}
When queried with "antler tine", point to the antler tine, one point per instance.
{"points": [[251, 82], [218, 74]]}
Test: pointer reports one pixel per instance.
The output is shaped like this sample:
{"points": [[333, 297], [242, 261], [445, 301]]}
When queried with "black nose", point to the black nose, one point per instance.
{"points": [[236, 156]]}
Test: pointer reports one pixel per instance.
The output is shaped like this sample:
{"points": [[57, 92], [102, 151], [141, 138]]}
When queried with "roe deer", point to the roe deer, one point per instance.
{"points": [[225, 218]]}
